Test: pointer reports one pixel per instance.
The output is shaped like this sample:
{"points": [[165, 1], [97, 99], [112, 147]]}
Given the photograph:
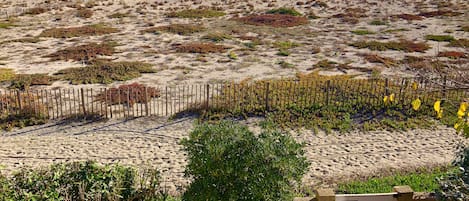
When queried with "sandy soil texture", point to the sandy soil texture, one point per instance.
{"points": [[154, 142]]}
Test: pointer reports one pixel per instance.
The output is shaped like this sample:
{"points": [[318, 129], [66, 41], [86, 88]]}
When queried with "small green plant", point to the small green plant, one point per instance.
{"points": [[197, 13], [181, 29], [229, 162], [377, 23], [6, 74], [440, 38], [103, 72], [403, 45], [232, 56], [362, 32], [284, 64], [283, 52], [217, 37], [285, 11], [6, 25], [421, 180]]}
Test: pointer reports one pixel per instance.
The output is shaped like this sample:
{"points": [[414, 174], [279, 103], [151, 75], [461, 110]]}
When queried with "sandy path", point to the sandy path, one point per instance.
{"points": [[154, 142]]}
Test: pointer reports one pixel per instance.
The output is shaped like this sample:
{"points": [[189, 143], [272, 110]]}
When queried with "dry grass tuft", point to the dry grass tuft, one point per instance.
{"points": [[452, 54], [274, 20], [84, 13], [85, 52], [403, 45], [129, 94], [103, 72], [196, 13], [36, 11], [447, 13], [90, 30], [181, 29], [409, 17], [202, 48]]}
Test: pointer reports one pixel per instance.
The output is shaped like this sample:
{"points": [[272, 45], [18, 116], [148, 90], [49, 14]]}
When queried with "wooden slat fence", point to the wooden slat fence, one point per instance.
{"points": [[260, 97]]}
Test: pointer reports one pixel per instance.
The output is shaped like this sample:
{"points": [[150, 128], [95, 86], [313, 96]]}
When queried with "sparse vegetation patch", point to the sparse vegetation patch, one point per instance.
{"points": [[409, 17], [24, 81], [83, 52], [36, 11], [90, 30], [129, 94], [196, 13], [362, 32], [6, 74], [459, 43], [102, 72], [201, 48], [440, 38], [403, 45], [452, 54], [6, 25], [274, 20], [447, 13], [181, 29], [84, 13], [285, 11], [217, 37]]}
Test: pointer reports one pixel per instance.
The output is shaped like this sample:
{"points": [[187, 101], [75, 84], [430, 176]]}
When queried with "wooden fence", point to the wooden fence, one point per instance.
{"points": [[262, 96]]}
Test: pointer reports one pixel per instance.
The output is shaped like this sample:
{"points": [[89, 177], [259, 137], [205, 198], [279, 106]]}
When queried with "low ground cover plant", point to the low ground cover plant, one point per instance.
{"points": [[129, 94], [362, 32], [274, 20], [88, 30], [6, 74], [452, 54], [229, 162], [181, 29], [82, 181], [196, 13], [84, 52], [459, 43], [403, 45], [6, 25], [284, 11], [104, 72], [25, 81], [440, 38]]}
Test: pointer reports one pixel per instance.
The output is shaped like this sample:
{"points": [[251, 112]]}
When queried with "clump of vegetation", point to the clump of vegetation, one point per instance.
{"points": [[202, 48], [409, 17], [285, 11], [118, 15], [102, 72], [465, 28], [218, 154], [84, 13], [452, 54], [459, 43], [374, 58], [36, 11], [284, 47], [6, 74], [403, 45], [84, 52], [351, 15], [129, 94], [421, 180], [284, 64], [447, 13], [455, 186], [181, 29], [274, 20], [83, 181], [6, 25], [377, 23], [89, 30], [217, 37], [362, 32], [197, 13], [23, 40], [440, 38], [24, 81]]}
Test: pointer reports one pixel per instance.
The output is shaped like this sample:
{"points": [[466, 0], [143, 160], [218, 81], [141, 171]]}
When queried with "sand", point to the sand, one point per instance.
{"points": [[153, 142]]}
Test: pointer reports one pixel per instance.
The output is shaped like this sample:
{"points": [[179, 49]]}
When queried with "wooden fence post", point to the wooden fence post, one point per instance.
{"points": [[267, 108], [83, 101], [207, 96], [20, 104], [166, 98], [146, 102]]}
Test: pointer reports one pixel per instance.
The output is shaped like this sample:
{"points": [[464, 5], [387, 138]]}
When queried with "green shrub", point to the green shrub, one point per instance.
{"points": [[285, 11], [403, 45], [440, 38], [455, 186], [229, 162], [197, 13], [82, 181], [105, 72]]}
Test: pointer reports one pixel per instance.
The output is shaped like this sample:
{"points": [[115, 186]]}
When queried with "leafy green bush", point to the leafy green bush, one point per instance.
{"points": [[455, 186], [228, 162], [81, 181]]}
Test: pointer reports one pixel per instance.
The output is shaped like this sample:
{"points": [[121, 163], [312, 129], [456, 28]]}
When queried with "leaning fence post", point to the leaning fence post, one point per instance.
{"points": [[83, 101], [20, 105]]}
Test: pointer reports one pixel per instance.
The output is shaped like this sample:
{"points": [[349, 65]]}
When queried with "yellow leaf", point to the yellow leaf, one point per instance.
{"points": [[457, 125], [463, 106], [385, 99], [391, 97], [415, 85], [437, 105], [439, 114], [460, 113], [416, 104]]}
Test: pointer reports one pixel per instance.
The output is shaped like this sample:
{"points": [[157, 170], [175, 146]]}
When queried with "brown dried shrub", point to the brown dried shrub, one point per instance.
{"points": [[84, 13], [274, 20], [24, 81], [448, 13], [459, 43], [83, 52], [452, 54], [409, 17], [36, 11], [89, 30], [129, 94], [181, 29], [202, 48]]}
